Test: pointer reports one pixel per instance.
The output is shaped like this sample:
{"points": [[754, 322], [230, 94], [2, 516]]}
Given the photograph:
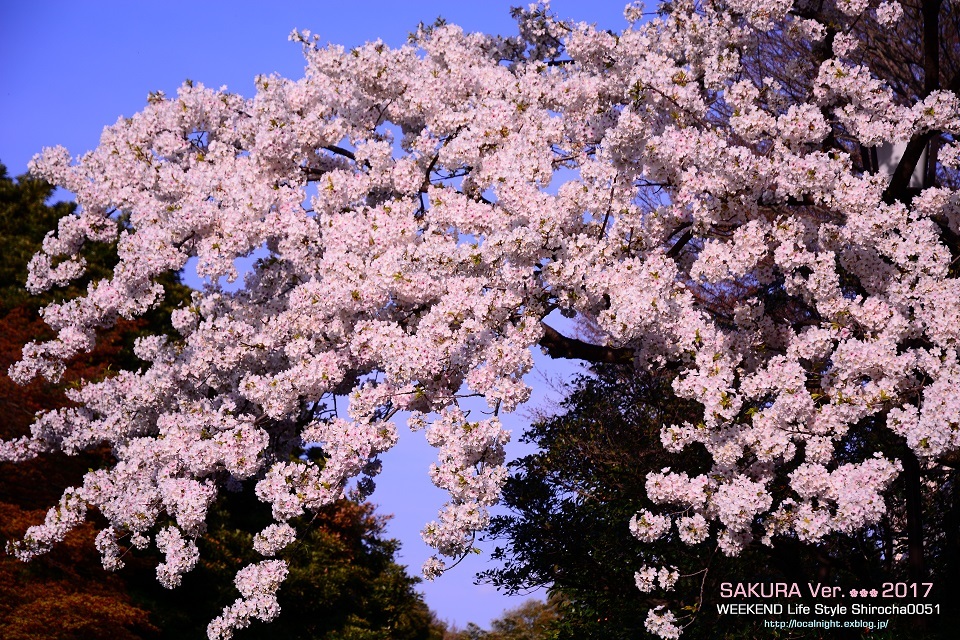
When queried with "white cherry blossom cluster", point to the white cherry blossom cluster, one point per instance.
{"points": [[648, 577], [648, 527], [258, 584], [471, 470], [662, 623], [181, 556], [274, 538]]}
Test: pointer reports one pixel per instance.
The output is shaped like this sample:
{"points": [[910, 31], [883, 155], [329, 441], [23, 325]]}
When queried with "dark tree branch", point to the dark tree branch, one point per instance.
{"points": [[897, 189], [912, 476], [433, 163], [426, 176], [950, 459], [681, 242], [560, 346], [931, 46], [340, 151]]}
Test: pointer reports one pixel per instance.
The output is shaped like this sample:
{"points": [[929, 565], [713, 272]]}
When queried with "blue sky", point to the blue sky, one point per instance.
{"points": [[71, 68]]}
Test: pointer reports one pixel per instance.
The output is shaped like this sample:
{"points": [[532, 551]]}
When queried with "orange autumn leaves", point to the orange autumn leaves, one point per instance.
{"points": [[64, 594]]}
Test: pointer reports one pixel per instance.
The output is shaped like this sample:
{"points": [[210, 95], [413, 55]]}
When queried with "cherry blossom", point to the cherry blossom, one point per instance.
{"points": [[418, 213]]}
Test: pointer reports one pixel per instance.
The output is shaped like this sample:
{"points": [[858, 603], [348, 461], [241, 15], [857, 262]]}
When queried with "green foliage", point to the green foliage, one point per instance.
{"points": [[24, 220], [532, 620]]}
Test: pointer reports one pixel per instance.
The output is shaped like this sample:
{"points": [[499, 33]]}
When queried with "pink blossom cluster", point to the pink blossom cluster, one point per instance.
{"points": [[471, 470], [647, 578], [181, 556], [419, 211], [662, 623], [258, 584]]}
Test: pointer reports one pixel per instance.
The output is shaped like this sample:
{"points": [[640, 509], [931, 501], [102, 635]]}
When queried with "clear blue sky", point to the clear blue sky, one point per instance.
{"points": [[71, 68]]}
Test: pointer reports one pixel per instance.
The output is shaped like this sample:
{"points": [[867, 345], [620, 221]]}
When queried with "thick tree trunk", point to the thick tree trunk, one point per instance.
{"points": [[911, 471]]}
